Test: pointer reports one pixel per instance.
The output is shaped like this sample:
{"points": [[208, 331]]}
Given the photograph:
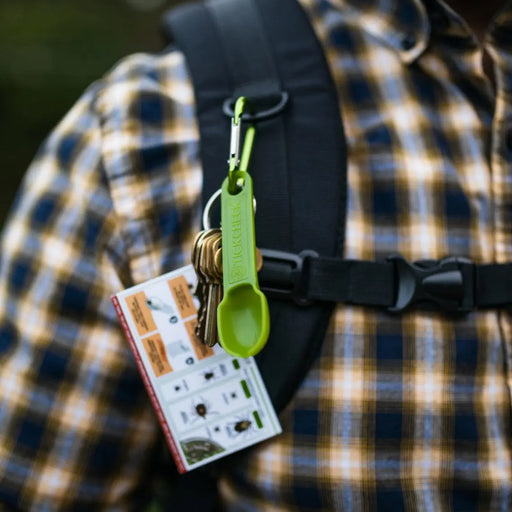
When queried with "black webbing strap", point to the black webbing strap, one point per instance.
{"points": [[493, 285], [358, 282], [253, 73], [452, 285], [262, 49]]}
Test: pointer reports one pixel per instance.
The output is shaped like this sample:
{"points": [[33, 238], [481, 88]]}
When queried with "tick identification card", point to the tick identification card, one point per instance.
{"points": [[209, 404]]}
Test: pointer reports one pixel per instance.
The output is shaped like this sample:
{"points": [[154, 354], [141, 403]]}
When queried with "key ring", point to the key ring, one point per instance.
{"points": [[209, 205]]}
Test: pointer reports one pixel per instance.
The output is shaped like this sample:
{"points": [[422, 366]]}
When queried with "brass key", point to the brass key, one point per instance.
{"points": [[213, 275], [196, 247], [202, 285]]}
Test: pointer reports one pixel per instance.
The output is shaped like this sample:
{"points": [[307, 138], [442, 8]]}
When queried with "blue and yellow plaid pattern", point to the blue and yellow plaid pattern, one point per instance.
{"points": [[408, 412]]}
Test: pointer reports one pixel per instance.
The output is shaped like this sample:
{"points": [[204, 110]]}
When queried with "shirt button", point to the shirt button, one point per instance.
{"points": [[408, 42]]}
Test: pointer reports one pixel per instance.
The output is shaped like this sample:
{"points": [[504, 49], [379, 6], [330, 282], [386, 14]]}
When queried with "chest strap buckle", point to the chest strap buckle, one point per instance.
{"points": [[285, 275], [447, 285]]}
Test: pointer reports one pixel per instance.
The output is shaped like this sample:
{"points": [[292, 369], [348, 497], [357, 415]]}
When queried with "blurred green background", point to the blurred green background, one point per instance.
{"points": [[50, 50]]}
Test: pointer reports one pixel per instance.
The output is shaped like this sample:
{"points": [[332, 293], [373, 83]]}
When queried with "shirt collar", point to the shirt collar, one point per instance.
{"points": [[401, 24]]}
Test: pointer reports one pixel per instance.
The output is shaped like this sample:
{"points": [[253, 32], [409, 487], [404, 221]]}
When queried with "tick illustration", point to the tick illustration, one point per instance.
{"points": [[242, 426]]}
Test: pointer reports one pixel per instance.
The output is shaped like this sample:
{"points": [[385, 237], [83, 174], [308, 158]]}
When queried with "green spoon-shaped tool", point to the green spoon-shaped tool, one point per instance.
{"points": [[242, 316]]}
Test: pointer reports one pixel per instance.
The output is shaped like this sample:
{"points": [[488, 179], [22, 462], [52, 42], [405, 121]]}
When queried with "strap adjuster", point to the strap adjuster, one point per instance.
{"points": [[447, 284], [285, 275]]}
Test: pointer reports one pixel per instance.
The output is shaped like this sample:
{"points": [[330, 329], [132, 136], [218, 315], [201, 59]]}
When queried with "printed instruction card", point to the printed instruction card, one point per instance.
{"points": [[209, 403]]}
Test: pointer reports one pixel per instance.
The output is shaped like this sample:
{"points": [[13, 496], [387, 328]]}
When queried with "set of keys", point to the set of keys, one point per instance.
{"points": [[207, 262]]}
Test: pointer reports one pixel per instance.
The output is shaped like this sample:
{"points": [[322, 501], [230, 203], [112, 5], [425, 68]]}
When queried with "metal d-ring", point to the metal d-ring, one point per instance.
{"points": [[228, 108], [209, 205]]}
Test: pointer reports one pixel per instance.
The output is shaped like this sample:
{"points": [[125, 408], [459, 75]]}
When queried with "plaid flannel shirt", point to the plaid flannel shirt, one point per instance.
{"points": [[406, 412]]}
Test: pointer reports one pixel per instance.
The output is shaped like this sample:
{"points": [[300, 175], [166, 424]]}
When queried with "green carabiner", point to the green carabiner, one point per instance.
{"points": [[239, 164], [242, 316]]}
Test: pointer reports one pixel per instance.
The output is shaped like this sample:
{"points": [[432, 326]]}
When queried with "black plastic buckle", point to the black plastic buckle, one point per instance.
{"points": [[447, 285], [284, 275]]}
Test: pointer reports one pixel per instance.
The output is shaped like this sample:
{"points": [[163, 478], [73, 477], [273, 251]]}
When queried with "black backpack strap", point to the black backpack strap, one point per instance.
{"points": [[299, 157], [252, 73]]}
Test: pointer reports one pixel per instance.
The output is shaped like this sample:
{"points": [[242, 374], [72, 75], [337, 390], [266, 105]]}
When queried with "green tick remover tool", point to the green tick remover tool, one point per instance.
{"points": [[242, 316]]}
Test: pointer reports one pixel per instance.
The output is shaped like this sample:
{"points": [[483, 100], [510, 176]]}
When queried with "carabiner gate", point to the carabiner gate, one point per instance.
{"points": [[237, 164]]}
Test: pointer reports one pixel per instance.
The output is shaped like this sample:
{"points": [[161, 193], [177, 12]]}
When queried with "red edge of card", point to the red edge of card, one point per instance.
{"points": [[149, 387]]}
